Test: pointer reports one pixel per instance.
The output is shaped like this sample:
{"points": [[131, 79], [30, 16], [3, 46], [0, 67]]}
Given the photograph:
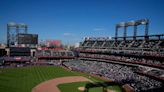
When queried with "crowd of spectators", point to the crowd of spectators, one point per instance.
{"points": [[48, 62], [128, 43], [118, 73], [54, 53], [151, 71], [134, 52], [135, 60], [17, 58]]}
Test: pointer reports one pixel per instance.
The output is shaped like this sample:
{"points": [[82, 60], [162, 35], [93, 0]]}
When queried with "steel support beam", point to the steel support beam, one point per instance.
{"points": [[26, 29], [8, 36], [146, 31], [125, 32], [135, 32], [116, 33]]}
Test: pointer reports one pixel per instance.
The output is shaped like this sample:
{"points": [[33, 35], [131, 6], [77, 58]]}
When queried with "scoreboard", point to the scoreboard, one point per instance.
{"points": [[27, 38]]}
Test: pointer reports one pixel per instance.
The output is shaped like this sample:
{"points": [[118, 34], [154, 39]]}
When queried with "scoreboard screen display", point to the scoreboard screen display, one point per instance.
{"points": [[27, 38]]}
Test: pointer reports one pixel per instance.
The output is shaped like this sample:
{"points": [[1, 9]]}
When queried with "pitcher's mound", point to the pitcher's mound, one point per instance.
{"points": [[81, 88]]}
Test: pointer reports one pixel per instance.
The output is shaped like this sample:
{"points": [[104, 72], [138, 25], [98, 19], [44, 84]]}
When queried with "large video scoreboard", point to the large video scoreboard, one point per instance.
{"points": [[27, 38]]}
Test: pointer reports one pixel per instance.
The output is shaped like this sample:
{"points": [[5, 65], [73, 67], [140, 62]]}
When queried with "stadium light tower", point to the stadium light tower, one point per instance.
{"points": [[119, 25], [132, 23], [12, 36], [24, 26], [135, 24], [9, 26], [146, 23]]}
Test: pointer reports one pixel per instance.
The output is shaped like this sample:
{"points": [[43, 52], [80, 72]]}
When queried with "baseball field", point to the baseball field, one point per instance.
{"points": [[31, 79]]}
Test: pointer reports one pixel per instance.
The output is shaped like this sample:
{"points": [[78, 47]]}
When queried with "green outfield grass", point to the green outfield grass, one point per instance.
{"points": [[25, 78]]}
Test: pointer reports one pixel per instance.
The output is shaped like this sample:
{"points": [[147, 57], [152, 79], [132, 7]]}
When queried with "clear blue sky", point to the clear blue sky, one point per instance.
{"points": [[71, 20]]}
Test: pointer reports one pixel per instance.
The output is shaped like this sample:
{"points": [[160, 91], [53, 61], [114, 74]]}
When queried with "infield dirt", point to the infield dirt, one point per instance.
{"points": [[51, 85]]}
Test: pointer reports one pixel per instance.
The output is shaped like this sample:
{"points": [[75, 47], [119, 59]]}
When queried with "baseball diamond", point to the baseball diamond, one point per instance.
{"points": [[42, 79]]}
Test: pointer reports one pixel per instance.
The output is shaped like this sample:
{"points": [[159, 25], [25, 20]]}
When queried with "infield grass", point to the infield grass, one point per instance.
{"points": [[73, 87]]}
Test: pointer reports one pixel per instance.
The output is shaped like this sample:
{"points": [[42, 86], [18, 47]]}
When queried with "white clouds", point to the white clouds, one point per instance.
{"points": [[67, 34], [99, 29]]}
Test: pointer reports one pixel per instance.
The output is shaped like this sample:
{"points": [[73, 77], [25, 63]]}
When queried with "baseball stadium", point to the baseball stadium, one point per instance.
{"points": [[119, 64], [126, 63]]}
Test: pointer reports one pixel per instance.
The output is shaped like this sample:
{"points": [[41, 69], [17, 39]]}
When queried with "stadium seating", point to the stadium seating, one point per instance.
{"points": [[58, 54], [121, 60], [119, 73]]}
